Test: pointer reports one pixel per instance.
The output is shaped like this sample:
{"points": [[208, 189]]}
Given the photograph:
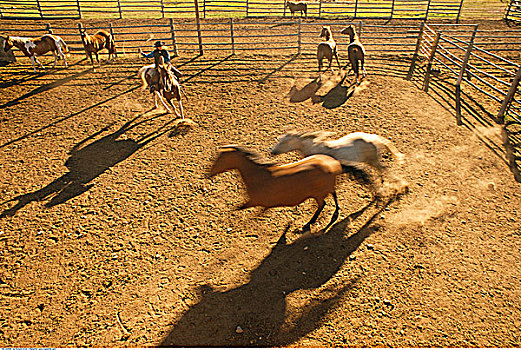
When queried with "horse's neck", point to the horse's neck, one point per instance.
{"points": [[329, 36], [310, 146], [252, 172], [19, 41]]}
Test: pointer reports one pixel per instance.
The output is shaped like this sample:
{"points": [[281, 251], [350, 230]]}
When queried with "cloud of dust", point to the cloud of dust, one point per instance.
{"points": [[424, 210]]}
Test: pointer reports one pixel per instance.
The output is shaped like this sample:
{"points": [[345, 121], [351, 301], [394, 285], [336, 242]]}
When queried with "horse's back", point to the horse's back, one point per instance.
{"points": [[318, 162]]}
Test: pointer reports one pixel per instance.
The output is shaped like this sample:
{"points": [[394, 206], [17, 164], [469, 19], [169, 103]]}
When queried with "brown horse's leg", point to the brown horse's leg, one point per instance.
{"points": [[335, 214], [321, 204], [337, 61]]}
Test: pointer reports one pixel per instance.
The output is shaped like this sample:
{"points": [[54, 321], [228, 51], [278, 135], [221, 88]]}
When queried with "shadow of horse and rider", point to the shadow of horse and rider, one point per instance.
{"points": [[258, 313], [87, 162]]}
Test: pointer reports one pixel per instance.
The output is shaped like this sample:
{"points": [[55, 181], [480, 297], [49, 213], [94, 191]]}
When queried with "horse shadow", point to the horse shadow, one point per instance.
{"points": [[87, 163], [333, 98], [257, 313], [337, 96]]}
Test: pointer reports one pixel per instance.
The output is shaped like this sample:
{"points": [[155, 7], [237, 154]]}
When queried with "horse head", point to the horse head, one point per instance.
{"points": [[286, 143], [8, 43], [226, 159], [326, 32], [349, 30]]}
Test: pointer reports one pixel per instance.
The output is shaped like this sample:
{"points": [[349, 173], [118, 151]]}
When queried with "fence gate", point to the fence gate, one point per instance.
{"points": [[513, 14], [510, 115], [428, 41]]}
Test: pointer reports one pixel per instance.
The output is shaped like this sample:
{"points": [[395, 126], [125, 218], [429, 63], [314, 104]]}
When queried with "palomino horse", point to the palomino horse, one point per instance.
{"points": [[356, 52], [327, 49], [297, 6], [163, 83], [272, 185], [355, 147], [39, 46], [97, 42]]}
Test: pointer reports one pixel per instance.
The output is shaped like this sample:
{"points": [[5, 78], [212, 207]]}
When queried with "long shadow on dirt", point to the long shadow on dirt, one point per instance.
{"points": [[335, 97], [475, 116], [45, 87], [259, 307], [87, 163]]}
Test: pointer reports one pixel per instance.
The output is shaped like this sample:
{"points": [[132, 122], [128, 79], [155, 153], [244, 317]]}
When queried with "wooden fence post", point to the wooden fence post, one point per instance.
{"points": [[39, 8], [284, 13], [79, 7], [172, 33], [162, 9], [232, 36], [319, 8], [119, 9], [356, 8], [392, 11], [509, 97], [198, 23], [429, 64], [459, 11], [461, 72], [360, 30], [248, 8], [416, 51], [428, 9], [111, 29], [204, 8], [299, 35]]}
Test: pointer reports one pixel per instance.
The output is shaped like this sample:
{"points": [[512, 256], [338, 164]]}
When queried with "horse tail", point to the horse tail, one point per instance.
{"points": [[398, 156], [142, 72], [112, 45], [354, 58], [109, 41], [61, 44], [357, 171]]}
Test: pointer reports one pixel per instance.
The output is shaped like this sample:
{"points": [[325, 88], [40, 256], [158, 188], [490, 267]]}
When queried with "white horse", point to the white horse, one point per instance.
{"points": [[355, 147]]}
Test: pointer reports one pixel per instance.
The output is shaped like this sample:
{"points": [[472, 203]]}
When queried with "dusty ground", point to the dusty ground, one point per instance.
{"points": [[113, 237]]}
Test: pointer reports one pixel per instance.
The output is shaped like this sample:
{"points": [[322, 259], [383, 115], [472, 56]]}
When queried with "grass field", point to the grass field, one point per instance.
{"points": [[489, 9]]}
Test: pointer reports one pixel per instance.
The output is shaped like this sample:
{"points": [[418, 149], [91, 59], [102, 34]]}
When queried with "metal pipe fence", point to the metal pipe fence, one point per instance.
{"points": [[354, 9]]}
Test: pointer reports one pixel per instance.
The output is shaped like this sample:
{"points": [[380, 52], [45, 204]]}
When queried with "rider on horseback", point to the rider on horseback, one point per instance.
{"points": [[158, 52]]}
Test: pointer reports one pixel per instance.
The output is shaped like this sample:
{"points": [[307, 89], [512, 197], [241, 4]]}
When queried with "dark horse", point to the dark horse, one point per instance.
{"points": [[356, 52]]}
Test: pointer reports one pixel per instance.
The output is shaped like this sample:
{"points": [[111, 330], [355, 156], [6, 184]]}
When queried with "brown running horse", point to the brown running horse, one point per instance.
{"points": [[38, 46], [163, 84], [97, 42], [273, 185], [356, 52], [327, 49]]}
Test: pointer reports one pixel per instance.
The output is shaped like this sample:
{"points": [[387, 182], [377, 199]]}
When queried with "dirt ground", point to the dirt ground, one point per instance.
{"points": [[112, 236]]}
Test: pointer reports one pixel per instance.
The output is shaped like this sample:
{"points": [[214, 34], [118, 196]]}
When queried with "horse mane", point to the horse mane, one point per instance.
{"points": [[250, 155], [314, 135]]}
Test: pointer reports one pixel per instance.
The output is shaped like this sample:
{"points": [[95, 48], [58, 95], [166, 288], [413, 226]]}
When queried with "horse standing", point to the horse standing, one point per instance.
{"points": [[163, 84], [354, 147], [272, 185], [297, 6], [97, 42], [327, 49], [355, 51], [38, 46]]}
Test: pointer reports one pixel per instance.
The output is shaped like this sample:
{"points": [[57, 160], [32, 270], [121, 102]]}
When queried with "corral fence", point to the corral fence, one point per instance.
{"points": [[475, 63], [513, 13], [354, 9], [485, 82]]}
